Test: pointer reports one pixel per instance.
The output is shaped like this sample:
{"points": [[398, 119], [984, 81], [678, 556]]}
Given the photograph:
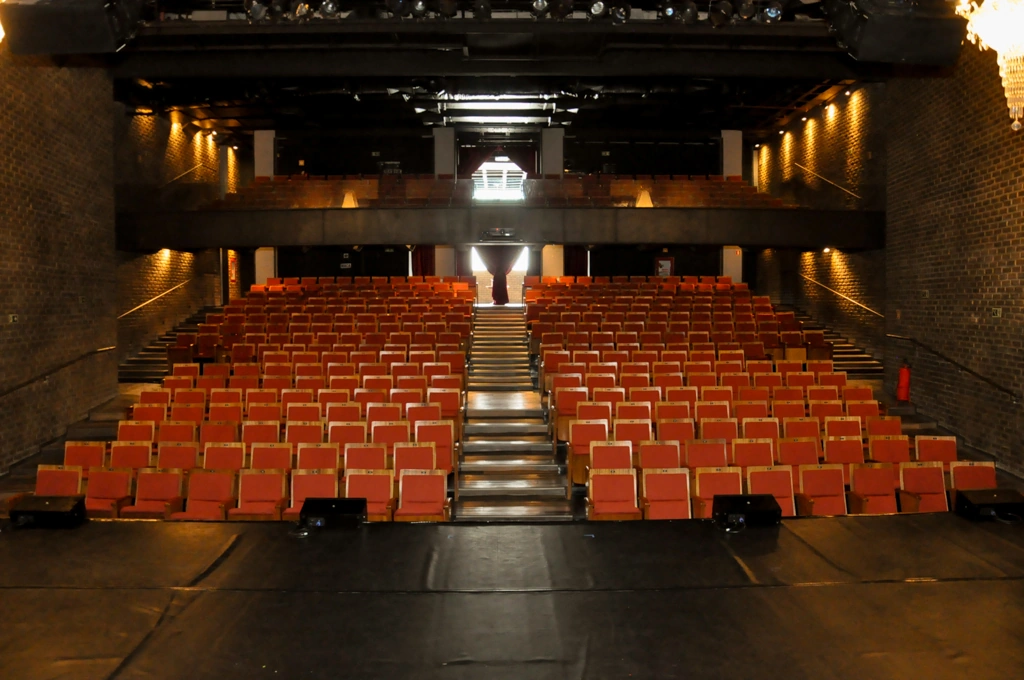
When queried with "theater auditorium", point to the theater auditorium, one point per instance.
{"points": [[511, 339]]}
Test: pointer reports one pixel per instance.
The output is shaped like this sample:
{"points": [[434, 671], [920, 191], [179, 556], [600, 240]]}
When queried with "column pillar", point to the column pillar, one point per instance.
{"points": [[264, 155], [732, 153], [444, 151], [552, 152]]}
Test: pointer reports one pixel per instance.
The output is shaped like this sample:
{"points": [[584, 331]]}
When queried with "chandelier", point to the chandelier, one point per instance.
{"points": [[999, 25]]}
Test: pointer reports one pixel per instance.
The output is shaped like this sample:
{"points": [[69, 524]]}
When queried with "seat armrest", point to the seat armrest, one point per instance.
{"points": [[176, 504]]}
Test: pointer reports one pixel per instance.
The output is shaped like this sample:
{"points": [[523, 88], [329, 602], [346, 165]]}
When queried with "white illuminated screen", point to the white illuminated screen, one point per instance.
{"points": [[520, 266], [498, 181]]}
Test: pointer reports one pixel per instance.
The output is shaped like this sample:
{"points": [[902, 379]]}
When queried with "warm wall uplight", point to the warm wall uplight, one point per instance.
{"points": [[643, 200], [349, 201], [999, 25], [521, 264]]}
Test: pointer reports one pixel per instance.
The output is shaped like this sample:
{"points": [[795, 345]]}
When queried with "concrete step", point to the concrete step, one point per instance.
{"points": [[515, 387], [509, 464], [513, 510], [92, 431], [511, 446]]}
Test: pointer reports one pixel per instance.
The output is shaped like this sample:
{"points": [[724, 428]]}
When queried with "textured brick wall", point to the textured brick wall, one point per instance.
{"points": [[955, 219], [143, 276], [57, 271], [844, 142], [787, 276]]}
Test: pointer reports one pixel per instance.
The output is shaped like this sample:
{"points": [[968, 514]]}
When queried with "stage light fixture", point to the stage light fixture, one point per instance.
{"points": [[620, 14], [447, 8], [721, 13], [847, 93], [482, 10], [562, 9], [398, 8], [539, 8], [257, 10], [669, 11], [804, 119], [329, 9], [747, 10], [597, 9], [419, 8], [772, 14], [301, 10]]}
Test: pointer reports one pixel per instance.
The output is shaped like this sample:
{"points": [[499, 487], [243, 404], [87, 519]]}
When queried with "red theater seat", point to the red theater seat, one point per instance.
{"points": [[777, 481], [108, 492], [872, 489], [377, 487], [423, 497], [970, 475], [262, 496], [665, 493], [157, 495], [611, 495], [310, 483], [714, 481], [822, 491], [210, 494], [923, 487]]}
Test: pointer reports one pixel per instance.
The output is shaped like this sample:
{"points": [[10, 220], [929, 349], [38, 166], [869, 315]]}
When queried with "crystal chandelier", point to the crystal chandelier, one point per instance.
{"points": [[999, 25]]}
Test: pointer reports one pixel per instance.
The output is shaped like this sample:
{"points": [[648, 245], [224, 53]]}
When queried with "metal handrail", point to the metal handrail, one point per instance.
{"points": [[850, 299], [54, 370], [1005, 390], [826, 179], [187, 172], [154, 299]]}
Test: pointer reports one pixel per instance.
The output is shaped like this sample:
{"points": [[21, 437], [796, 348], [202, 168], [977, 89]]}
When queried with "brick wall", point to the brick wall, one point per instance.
{"points": [[955, 219], [143, 276], [788, 277], [843, 142], [57, 240]]}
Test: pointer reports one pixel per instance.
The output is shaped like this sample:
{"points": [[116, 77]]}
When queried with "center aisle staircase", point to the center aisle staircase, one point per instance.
{"points": [[508, 470]]}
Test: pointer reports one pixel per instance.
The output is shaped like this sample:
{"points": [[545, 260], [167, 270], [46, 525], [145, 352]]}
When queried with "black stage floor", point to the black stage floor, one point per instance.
{"points": [[917, 597]]}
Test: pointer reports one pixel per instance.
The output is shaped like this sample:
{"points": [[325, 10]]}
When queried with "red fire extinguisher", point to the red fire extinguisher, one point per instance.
{"points": [[903, 383]]}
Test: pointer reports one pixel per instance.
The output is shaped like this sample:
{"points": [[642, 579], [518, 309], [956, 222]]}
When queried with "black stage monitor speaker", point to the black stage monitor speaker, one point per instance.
{"points": [[332, 513], [69, 26], [1005, 504], [49, 512], [738, 512], [922, 32]]}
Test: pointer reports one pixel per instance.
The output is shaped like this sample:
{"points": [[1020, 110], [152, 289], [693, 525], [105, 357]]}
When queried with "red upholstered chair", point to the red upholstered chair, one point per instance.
{"points": [[801, 427], [262, 496], [872, 489], [224, 456], [884, 426], [665, 410], [676, 429], [942, 449], [310, 483], [210, 494], [377, 487], [365, 457], [581, 434], [108, 492], [635, 431], [822, 491], [298, 432], [761, 428], [719, 428], [85, 455], [218, 432], [611, 455], [423, 497], [845, 450], [797, 451], [319, 457], [714, 481], [57, 480], [784, 410], [752, 453], [131, 454], [177, 456], [848, 426], [136, 431], [889, 449], [665, 493], [344, 433], [265, 413], [969, 475], [659, 454], [632, 410], [414, 456], [777, 481], [863, 409], [701, 453], [158, 494], [612, 495], [747, 410], [923, 487], [440, 433], [155, 413], [271, 456]]}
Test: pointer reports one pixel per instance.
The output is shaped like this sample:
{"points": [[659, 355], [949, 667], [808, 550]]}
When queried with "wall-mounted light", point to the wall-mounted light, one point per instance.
{"points": [[827, 250]]}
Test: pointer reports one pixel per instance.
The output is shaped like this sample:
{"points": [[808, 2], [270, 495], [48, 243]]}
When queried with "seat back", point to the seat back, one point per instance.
{"points": [[889, 449], [777, 481], [261, 431], [761, 428], [872, 479], [366, 457], [967, 475], [304, 431], [752, 452], [719, 428], [177, 456], [677, 430], [84, 455], [706, 453], [109, 484], [423, 487], [920, 478], [270, 456], [313, 483], [211, 486], [261, 486], [131, 454], [611, 454], [942, 449], [218, 432], [375, 485], [318, 456], [843, 450], [418, 456], [666, 484], [823, 480], [224, 456], [635, 431], [659, 454], [844, 426], [609, 485], [582, 432], [346, 432], [159, 484], [136, 431], [717, 481]]}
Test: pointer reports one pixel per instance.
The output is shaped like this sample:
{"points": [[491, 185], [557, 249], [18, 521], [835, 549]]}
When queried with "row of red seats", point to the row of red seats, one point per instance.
{"points": [[256, 494], [806, 490]]}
